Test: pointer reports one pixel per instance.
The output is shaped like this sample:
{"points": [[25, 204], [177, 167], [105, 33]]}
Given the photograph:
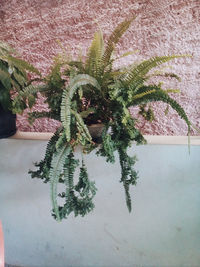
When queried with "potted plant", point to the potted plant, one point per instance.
{"points": [[88, 91], [14, 88]]}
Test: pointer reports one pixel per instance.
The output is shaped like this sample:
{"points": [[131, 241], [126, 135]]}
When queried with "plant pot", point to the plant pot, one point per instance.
{"points": [[7, 123], [96, 132]]}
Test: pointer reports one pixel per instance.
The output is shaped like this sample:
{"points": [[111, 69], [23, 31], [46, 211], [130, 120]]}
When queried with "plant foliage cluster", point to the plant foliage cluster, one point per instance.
{"points": [[90, 90], [16, 90]]}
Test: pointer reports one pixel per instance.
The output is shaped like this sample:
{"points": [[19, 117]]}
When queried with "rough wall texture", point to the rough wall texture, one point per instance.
{"points": [[162, 27]]}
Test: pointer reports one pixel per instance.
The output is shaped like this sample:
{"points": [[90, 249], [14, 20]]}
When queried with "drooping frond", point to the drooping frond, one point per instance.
{"points": [[165, 75], [21, 64], [69, 167], [56, 170], [45, 164], [136, 76], [145, 96], [78, 198], [26, 97], [128, 174], [107, 148], [83, 133], [79, 80], [147, 113]]}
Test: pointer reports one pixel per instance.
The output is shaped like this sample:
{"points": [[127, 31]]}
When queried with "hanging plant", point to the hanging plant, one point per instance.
{"points": [[82, 92]]}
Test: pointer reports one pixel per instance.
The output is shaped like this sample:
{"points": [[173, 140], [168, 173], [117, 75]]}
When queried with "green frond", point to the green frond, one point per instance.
{"points": [[79, 197], [14, 79], [82, 79], [61, 141], [128, 174], [18, 80], [160, 95], [83, 130], [44, 165], [128, 53], [54, 78], [26, 97], [68, 170], [79, 80], [165, 74], [136, 76], [93, 63], [65, 114], [21, 64], [107, 147], [114, 39], [176, 91], [77, 64], [148, 113], [143, 94], [57, 165], [85, 187]]}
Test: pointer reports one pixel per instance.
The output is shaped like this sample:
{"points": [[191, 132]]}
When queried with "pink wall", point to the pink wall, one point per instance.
{"points": [[162, 27]]}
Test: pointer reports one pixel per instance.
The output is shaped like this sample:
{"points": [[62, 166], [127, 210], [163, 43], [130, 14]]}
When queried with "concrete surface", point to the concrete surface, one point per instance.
{"points": [[162, 230]]}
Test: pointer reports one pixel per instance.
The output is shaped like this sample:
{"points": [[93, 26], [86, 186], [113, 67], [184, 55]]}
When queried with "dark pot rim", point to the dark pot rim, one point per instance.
{"points": [[8, 134]]}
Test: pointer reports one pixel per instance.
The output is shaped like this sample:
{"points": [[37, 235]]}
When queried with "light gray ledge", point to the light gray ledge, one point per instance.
{"points": [[151, 139]]}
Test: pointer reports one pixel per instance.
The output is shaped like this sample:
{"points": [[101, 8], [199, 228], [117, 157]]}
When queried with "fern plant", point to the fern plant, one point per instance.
{"points": [[16, 91], [90, 90]]}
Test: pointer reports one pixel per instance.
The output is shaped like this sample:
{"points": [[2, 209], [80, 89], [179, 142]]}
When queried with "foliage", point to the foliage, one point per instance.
{"points": [[85, 91], [16, 91]]}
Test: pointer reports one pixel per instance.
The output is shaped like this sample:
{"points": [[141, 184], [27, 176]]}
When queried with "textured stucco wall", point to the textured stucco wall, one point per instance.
{"points": [[162, 27]]}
